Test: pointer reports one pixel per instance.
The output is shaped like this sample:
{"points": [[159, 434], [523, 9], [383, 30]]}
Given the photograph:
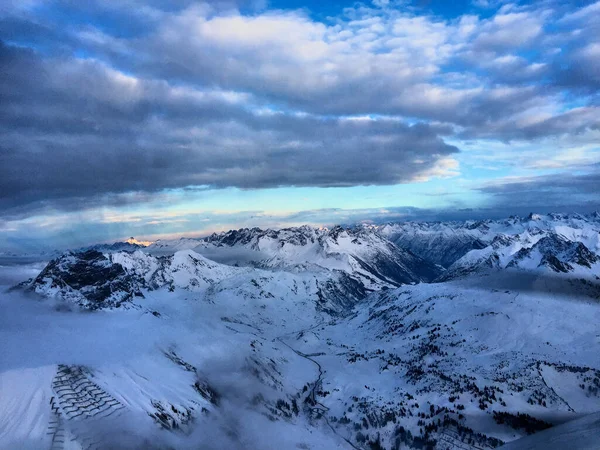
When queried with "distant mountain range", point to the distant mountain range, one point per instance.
{"points": [[351, 262], [445, 243]]}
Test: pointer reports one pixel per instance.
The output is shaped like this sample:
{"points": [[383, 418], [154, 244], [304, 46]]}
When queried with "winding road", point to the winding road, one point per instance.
{"points": [[318, 407]]}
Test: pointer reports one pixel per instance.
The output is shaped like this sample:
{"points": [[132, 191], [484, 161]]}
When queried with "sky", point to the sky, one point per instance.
{"points": [[159, 119]]}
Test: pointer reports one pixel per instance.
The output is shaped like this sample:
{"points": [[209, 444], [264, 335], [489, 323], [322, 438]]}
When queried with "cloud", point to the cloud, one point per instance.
{"points": [[372, 60], [77, 128], [552, 192], [509, 30], [234, 94]]}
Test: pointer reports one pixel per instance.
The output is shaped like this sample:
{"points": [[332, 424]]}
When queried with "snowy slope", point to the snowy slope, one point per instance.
{"points": [[191, 367], [449, 363], [445, 361], [580, 434], [180, 378]]}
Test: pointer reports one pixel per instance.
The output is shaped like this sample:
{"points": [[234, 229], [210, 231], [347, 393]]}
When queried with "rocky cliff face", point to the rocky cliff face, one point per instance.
{"points": [[89, 278]]}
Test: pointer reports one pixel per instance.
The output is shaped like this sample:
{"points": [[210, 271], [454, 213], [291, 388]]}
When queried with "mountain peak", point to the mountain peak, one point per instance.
{"points": [[134, 241], [533, 216]]}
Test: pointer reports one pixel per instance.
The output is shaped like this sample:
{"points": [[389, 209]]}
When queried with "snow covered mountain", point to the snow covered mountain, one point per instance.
{"points": [[308, 338], [445, 243], [537, 250], [88, 278], [439, 243], [95, 281], [363, 254]]}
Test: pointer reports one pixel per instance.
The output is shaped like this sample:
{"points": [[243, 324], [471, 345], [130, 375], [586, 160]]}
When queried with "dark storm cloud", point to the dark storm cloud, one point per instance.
{"points": [[74, 128], [556, 192], [572, 122]]}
